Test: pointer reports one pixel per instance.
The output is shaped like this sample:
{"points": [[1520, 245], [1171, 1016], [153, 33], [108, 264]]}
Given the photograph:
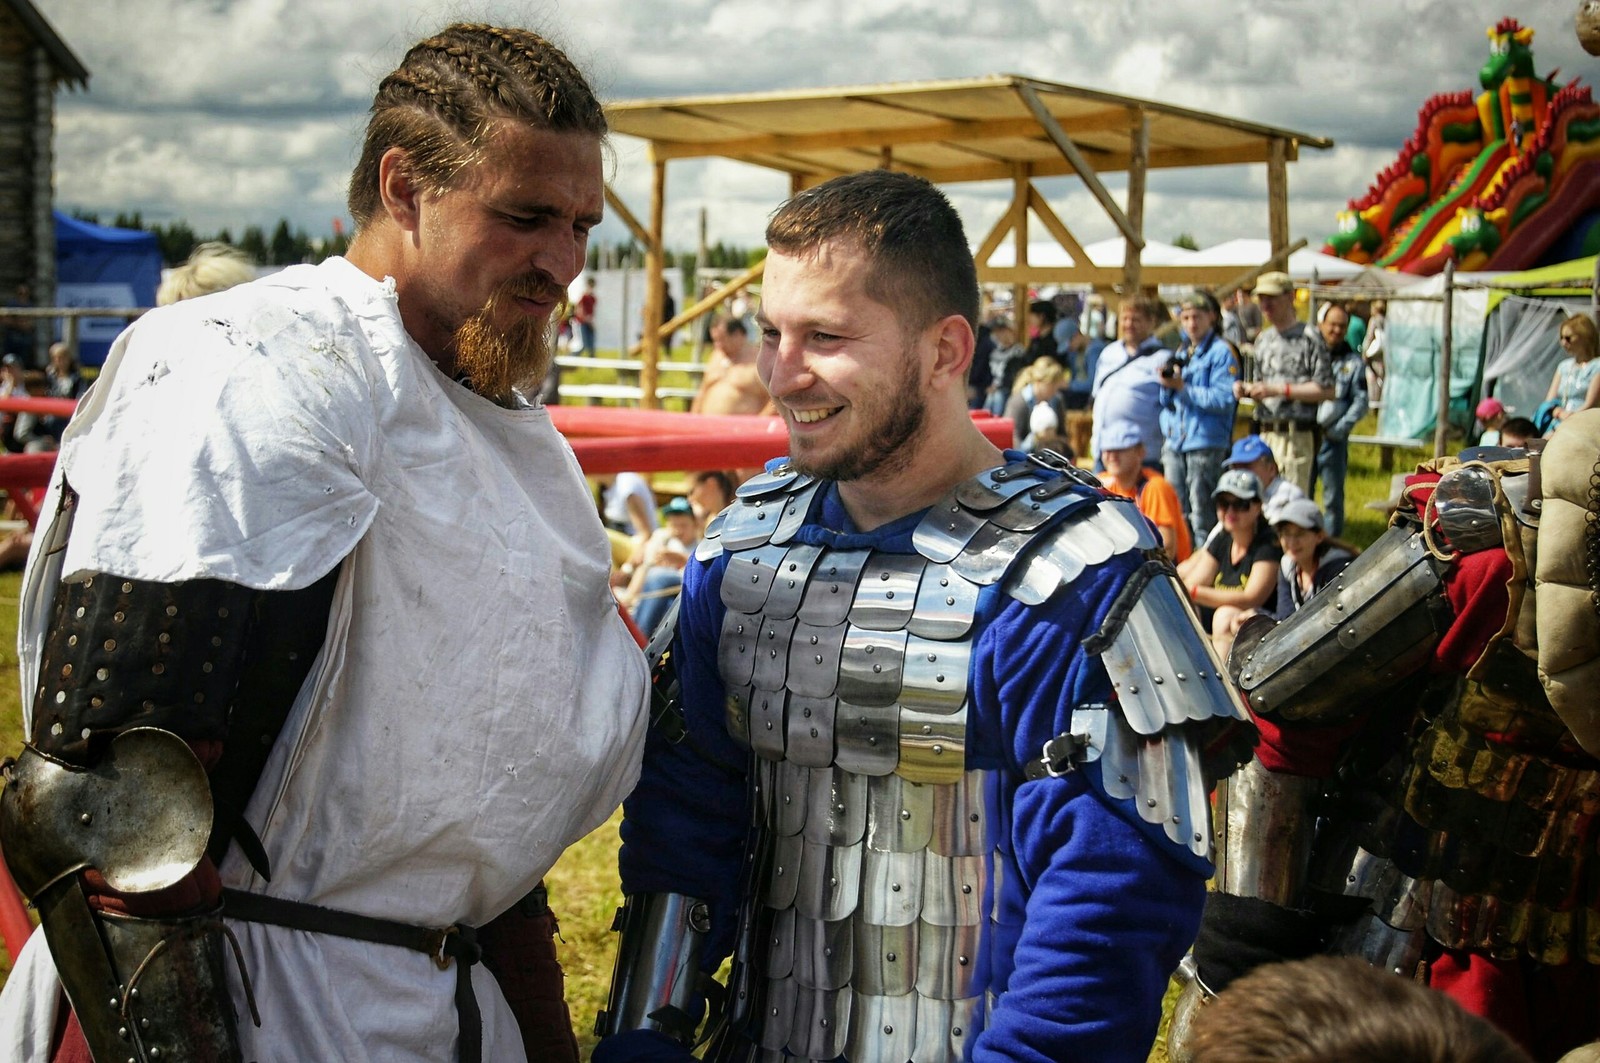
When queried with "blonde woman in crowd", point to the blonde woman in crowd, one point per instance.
{"points": [[1040, 383], [212, 267]]}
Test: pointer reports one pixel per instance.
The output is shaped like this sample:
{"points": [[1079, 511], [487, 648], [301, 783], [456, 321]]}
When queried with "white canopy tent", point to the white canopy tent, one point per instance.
{"points": [[1247, 252]]}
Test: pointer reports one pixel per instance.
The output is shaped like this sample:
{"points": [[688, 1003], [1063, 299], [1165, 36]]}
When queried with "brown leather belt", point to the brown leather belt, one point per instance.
{"points": [[458, 943]]}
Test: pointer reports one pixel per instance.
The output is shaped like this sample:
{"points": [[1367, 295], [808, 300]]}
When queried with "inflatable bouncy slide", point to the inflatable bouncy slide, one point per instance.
{"points": [[1508, 180]]}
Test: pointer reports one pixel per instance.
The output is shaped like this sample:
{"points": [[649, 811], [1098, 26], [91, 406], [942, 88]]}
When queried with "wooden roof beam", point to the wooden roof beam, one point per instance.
{"points": [[950, 131], [624, 215], [1069, 151], [1057, 167]]}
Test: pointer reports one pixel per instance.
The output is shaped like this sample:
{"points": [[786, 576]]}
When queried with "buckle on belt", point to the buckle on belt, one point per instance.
{"points": [[437, 940]]}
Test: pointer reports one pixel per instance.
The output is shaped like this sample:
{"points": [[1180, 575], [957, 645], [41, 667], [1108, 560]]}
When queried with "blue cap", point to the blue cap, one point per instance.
{"points": [[677, 505], [1120, 435], [1250, 448]]}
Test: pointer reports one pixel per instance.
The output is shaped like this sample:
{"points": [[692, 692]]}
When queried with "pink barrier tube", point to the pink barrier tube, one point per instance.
{"points": [[50, 407], [15, 926]]}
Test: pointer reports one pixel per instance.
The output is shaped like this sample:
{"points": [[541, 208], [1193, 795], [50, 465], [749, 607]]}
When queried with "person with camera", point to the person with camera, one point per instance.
{"points": [[1197, 409], [1127, 379]]}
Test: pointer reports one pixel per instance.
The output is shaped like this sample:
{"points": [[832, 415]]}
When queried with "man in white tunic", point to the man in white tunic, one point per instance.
{"points": [[324, 667]]}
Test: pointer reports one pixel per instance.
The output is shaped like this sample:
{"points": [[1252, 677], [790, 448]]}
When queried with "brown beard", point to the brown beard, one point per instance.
{"points": [[888, 446], [496, 361]]}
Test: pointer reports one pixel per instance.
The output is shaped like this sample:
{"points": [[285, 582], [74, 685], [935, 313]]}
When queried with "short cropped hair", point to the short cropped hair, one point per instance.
{"points": [[733, 324], [1147, 306], [1339, 1009], [212, 267], [921, 266], [442, 102]]}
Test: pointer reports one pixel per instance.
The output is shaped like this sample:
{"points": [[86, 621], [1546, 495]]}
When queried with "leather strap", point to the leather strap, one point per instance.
{"points": [[457, 943]]}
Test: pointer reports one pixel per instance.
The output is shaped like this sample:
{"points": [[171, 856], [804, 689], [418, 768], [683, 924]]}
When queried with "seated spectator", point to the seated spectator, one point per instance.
{"points": [[1517, 432], [1340, 1009], [655, 575], [1038, 385], [1238, 569], [1252, 454], [12, 385], [1311, 558], [1122, 454], [1492, 415], [1006, 362], [628, 511], [710, 493]]}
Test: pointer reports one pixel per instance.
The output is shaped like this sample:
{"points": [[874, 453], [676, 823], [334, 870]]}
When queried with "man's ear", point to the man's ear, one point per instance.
{"points": [[953, 346], [399, 191]]}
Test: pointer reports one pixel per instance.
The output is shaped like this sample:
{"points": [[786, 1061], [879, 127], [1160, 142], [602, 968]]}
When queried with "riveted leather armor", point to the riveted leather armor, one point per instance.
{"points": [[877, 857]]}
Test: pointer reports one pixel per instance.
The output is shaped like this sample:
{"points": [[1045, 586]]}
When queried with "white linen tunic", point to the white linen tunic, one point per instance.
{"points": [[477, 706]]}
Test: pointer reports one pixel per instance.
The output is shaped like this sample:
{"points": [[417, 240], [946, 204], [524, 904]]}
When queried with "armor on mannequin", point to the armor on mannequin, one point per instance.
{"points": [[1426, 713]]}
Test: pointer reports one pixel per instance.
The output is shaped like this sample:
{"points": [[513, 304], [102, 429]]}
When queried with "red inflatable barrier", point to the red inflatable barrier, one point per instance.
{"points": [[608, 440], [40, 404], [15, 926]]}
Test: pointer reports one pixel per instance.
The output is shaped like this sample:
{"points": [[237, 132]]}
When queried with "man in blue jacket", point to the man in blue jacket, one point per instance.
{"points": [[1339, 415], [928, 756], [1197, 410]]}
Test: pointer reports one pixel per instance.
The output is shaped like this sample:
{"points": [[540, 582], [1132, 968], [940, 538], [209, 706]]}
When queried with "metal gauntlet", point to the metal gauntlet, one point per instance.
{"points": [[144, 990], [656, 983]]}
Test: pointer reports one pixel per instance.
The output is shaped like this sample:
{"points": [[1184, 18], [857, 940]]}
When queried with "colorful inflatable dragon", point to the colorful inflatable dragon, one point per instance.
{"points": [[1506, 181]]}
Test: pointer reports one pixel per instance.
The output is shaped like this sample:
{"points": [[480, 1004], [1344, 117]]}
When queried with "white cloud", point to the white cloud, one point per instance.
{"points": [[237, 112]]}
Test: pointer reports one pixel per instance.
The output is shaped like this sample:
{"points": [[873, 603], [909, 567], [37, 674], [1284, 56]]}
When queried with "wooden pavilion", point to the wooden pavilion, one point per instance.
{"points": [[1001, 127]]}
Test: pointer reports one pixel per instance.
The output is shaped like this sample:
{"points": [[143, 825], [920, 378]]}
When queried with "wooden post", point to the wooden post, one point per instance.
{"points": [[797, 184], [1278, 199], [886, 157], [1138, 161], [1019, 241], [699, 264], [654, 267], [1441, 428]]}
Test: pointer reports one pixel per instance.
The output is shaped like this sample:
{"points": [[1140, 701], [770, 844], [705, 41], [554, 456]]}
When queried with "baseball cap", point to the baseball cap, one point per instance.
{"points": [[1274, 283], [1490, 408], [1201, 300], [1250, 448], [1301, 511], [678, 504], [1120, 435], [1240, 483]]}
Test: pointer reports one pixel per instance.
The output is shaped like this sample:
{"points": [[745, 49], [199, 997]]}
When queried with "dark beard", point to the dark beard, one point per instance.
{"points": [[885, 449], [495, 362]]}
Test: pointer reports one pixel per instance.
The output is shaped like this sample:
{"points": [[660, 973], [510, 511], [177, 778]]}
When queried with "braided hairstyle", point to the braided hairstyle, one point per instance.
{"points": [[442, 101]]}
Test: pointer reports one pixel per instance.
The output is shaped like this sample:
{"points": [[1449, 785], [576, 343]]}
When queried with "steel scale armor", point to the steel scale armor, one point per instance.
{"points": [[876, 855]]}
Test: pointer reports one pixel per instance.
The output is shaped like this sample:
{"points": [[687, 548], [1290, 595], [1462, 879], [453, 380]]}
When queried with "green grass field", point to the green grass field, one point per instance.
{"points": [[584, 889]]}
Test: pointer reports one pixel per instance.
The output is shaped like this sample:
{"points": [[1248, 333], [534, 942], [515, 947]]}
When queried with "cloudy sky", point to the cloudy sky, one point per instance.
{"points": [[236, 112]]}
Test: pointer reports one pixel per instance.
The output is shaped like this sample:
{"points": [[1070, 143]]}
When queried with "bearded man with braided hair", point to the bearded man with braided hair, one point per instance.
{"points": [[310, 715]]}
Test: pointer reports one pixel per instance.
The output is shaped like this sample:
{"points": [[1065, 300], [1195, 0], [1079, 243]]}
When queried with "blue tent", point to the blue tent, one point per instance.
{"points": [[97, 265]]}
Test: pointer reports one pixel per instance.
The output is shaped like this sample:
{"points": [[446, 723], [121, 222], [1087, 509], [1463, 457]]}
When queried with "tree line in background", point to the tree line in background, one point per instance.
{"points": [[286, 246]]}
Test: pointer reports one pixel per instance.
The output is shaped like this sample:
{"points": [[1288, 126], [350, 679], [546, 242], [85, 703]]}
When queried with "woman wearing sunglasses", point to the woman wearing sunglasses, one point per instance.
{"points": [[1238, 570], [1576, 384]]}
